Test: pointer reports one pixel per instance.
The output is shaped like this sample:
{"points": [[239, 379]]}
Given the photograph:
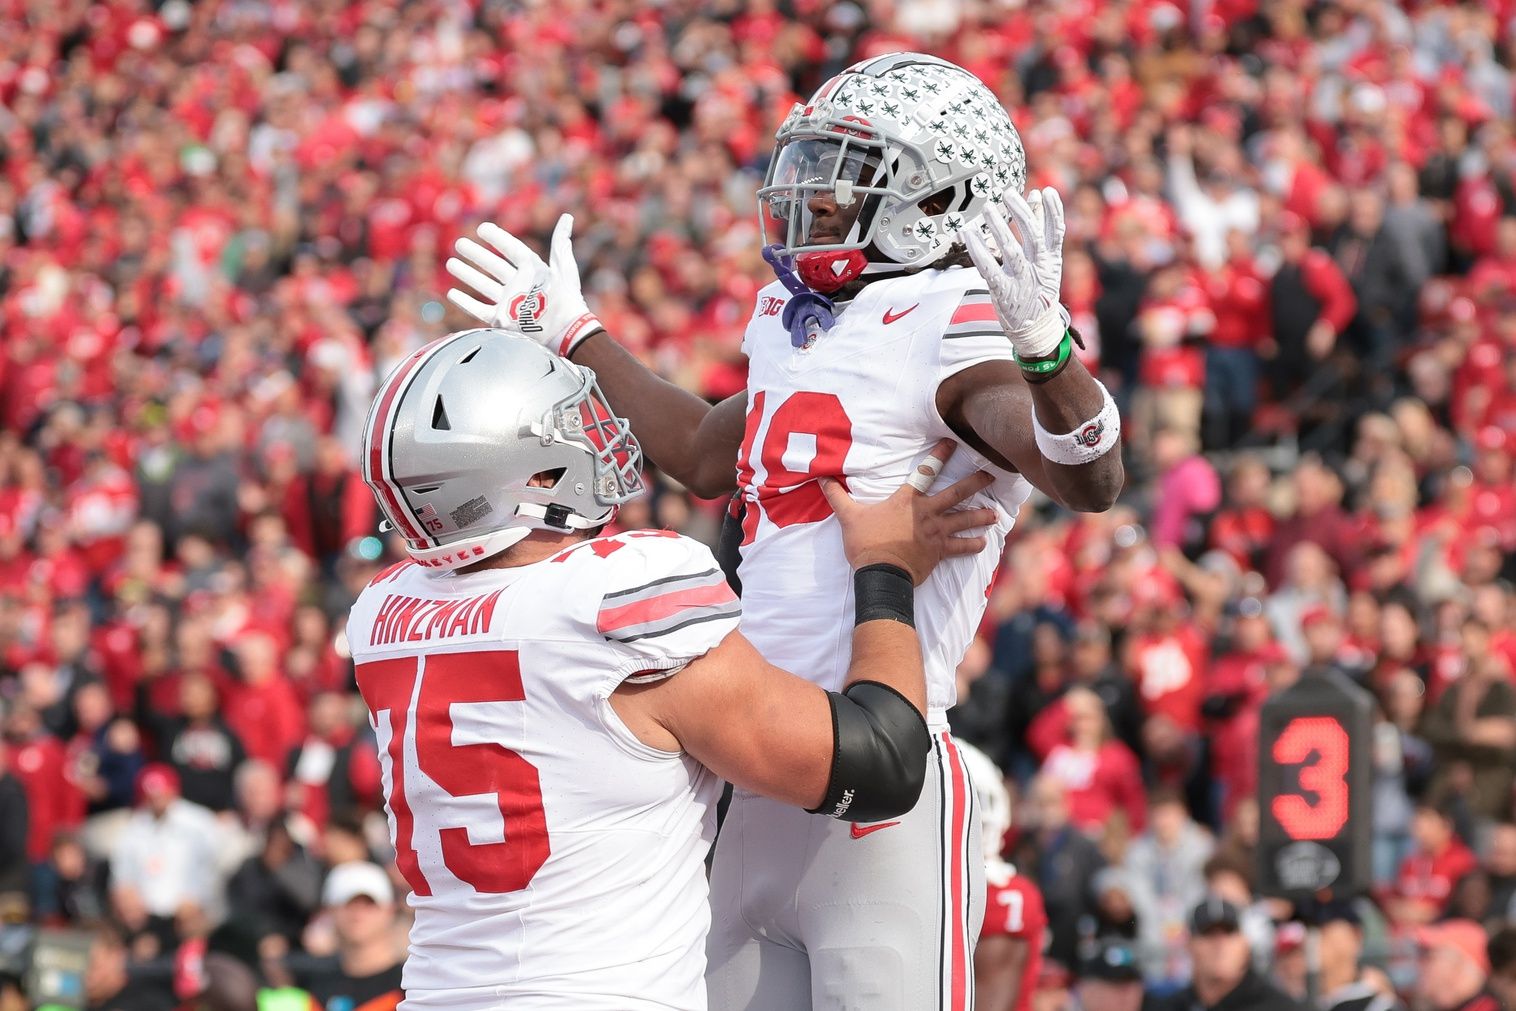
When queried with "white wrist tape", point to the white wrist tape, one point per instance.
{"points": [[1041, 337], [1088, 441]]}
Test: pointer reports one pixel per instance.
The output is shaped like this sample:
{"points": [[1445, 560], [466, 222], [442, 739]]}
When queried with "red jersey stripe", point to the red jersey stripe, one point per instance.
{"points": [[974, 312], [664, 606], [960, 967]]}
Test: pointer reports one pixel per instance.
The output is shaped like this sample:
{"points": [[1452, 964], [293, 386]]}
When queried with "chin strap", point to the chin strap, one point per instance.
{"points": [[561, 517], [804, 306]]}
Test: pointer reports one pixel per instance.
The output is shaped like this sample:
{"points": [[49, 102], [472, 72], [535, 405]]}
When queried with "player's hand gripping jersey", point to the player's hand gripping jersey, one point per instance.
{"points": [[543, 843], [859, 403]]}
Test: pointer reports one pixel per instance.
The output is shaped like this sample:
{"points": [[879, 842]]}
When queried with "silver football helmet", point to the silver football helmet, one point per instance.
{"points": [[460, 430], [891, 132], [991, 796]]}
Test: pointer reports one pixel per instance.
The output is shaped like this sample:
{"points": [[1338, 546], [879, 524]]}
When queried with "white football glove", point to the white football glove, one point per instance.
{"points": [[519, 291], [1024, 283]]}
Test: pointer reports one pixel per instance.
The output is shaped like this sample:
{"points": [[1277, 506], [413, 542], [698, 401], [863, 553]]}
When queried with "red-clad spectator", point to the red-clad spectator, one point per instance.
{"points": [[102, 505], [40, 761], [1495, 275], [1318, 518], [1437, 861], [55, 564], [1310, 304], [1238, 292], [1172, 319], [1476, 216], [1100, 775], [261, 705], [1295, 175], [330, 507], [333, 768], [1492, 500], [1168, 660], [1236, 685], [1244, 525]]}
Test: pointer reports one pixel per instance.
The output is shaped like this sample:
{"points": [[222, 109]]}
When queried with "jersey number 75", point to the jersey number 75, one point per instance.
{"points": [[390, 689]]}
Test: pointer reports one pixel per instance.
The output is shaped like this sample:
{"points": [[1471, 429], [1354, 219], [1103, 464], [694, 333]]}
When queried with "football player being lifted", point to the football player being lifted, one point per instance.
{"points": [[916, 299], [553, 709]]}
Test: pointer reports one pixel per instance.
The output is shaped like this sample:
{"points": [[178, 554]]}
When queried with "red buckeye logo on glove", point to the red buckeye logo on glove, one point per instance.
{"points": [[526, 308]]}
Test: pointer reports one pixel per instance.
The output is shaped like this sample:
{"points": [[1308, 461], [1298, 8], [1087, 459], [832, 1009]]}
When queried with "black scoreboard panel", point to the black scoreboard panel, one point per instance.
{"points": [[1315, 787]]}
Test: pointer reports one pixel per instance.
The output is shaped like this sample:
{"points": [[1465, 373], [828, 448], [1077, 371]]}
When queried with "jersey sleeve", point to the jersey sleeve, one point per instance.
{"points": [[665, 603], [973, 335]]}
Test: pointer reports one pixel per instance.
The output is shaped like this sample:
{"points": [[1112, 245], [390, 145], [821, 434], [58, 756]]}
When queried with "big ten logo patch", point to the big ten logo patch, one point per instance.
{"points": [[770, 306]]}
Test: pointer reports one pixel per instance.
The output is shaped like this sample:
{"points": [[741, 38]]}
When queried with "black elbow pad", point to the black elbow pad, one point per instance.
{"points": [[880, 743]]}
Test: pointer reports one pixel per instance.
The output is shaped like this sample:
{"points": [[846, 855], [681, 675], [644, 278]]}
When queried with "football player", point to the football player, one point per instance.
{"points": [[886, 191], [553, 709], [1008, 958]]}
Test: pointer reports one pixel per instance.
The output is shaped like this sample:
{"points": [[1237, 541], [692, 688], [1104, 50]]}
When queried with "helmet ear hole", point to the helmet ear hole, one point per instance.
{"points": [[547, 478], [937, 203]]}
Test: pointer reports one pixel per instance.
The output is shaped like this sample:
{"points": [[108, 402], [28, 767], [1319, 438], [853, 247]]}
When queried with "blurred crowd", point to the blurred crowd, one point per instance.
{"points": [[1291, 253]]}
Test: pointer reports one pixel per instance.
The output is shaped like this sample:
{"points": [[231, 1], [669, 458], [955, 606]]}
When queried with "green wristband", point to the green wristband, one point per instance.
{"points": [[1040, 370]]}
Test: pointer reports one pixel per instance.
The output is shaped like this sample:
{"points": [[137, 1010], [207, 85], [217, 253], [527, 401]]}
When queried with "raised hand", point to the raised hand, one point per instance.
{"points": [[1024, 283], [911, 529], [517, 291]]}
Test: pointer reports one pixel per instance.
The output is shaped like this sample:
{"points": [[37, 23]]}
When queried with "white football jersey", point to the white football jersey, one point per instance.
{"points": [[859, 403], [554, 859]]}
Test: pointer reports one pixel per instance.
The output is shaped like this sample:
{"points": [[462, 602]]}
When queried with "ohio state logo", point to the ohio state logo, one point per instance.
{"points": [[1090, 434], [527, 309]]}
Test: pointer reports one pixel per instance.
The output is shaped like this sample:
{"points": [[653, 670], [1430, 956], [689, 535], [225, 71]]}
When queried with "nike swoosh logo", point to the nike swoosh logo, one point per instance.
{"points": [[891, 316], [859, 831]]}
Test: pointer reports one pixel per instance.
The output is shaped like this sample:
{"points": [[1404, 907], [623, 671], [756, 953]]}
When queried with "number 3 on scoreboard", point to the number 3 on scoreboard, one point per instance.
{"points": [[1327, 777], [461, 770]]}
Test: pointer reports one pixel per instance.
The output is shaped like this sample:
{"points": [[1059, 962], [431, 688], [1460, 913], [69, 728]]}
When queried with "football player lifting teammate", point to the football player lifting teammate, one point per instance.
{"points": [[916, 299], [553, 709]]}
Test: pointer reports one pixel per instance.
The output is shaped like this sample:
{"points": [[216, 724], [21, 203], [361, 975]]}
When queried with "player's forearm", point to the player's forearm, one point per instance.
{"points": [[880, 740], [889, 653], [667, 419], [1071, 400]]}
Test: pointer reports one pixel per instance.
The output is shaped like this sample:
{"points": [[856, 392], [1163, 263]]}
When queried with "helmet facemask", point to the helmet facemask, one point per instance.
{"points": [[844, 168], [583, 419]]}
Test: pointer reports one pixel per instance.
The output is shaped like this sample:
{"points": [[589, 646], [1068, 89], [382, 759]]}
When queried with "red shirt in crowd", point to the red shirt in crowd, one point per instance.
{"points": [[1240, 302], [53, 802], [1324, 279], [1099, 783], [1242, 533], [1429, 878], [1244, 676], [267, 717], [1169, 669]]}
